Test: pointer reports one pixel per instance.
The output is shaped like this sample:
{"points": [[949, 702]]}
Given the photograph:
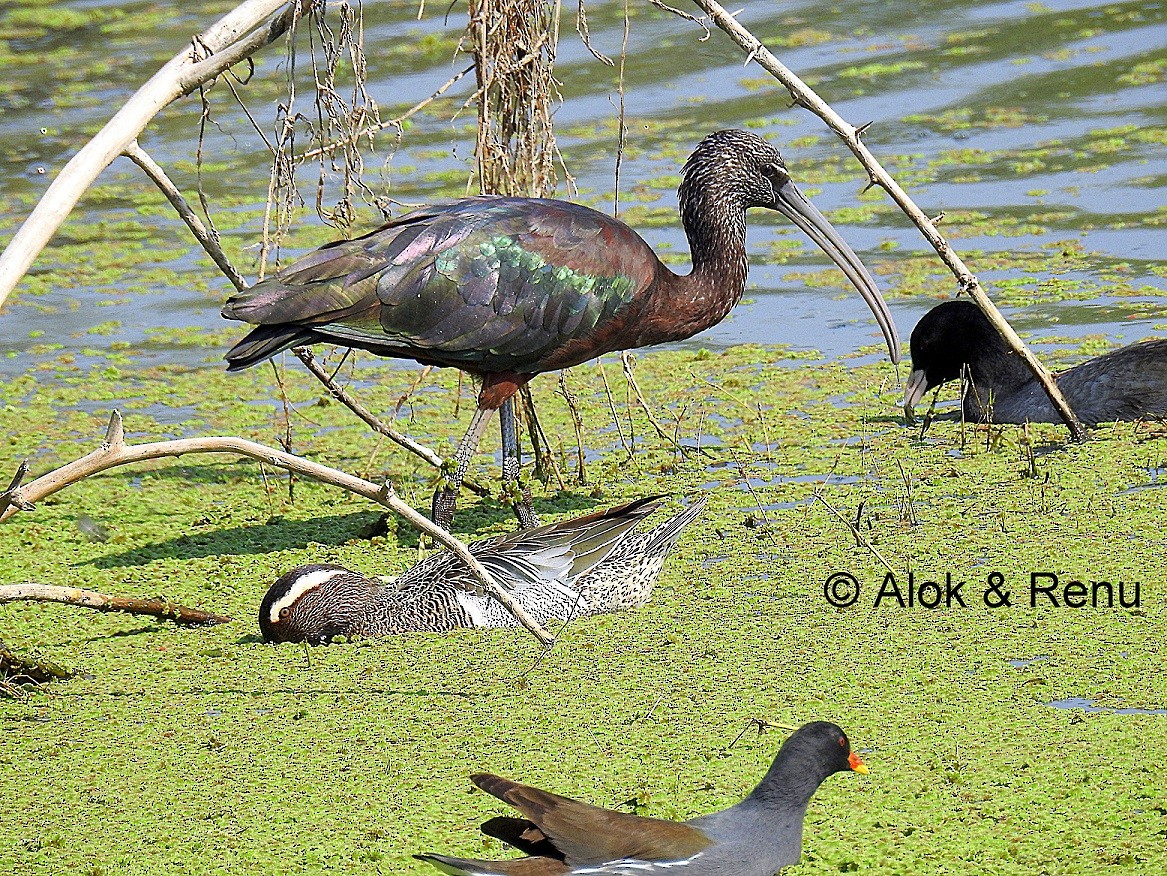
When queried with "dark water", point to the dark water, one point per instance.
{"points": [[1047, 120]]}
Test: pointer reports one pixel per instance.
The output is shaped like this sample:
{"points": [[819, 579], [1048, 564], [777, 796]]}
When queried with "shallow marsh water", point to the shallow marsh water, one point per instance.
{"points": [[1038, 128]]}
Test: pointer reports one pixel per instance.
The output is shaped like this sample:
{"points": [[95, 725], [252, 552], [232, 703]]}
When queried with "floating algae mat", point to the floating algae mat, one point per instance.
{"points": [[354, 756], [982, 609]]}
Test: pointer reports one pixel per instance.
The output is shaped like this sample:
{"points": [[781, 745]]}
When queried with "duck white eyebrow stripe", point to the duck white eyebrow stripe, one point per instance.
{"points": [[302, 586]]}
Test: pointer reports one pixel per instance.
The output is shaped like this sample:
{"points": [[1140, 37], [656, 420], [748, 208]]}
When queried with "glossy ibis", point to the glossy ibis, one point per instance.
{"points": [[757, 837], [589, 565], [1128, 384], [506, 288]]}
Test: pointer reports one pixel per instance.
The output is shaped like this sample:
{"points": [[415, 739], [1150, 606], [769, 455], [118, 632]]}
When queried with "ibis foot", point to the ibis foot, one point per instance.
{"points": [[444, 505]]}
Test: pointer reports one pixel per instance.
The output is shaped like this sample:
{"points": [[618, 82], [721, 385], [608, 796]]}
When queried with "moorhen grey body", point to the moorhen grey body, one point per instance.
{"points": [[757, 837]]}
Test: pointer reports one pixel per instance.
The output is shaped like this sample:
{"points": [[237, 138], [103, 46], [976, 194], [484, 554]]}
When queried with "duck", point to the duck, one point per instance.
{"points": [[594, 564], [756, 837], [1127, 384]]}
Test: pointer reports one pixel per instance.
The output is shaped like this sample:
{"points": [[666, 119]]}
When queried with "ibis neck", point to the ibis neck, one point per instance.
{"points": [[693, 302], [717, 242]]}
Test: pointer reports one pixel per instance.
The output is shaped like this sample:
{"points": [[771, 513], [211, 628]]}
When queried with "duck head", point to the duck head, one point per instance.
{"points": [[314, 603]]}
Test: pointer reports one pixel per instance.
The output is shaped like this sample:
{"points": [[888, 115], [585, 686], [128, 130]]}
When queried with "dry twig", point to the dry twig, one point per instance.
{"points": [[860, 538], [396, 122], [612, 407], [514, 55], [158, 607]]}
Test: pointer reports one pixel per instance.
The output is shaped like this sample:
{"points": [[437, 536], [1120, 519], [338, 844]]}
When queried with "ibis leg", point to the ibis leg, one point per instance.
{"points": [[513, 490], [446, 497]]}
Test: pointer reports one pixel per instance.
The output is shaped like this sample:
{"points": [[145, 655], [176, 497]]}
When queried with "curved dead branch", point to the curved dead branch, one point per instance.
{"points": [[806, 97], [156, 607], [115, 452], [212, 247], [234, 38]]}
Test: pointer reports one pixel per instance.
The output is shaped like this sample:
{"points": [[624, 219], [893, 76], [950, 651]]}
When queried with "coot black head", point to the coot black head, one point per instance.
{"points": [[1127, 384], [949, 337]]}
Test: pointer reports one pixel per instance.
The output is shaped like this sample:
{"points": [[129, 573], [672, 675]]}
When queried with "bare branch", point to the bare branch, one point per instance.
{"points": [[860, 538], [612, 407], [685, 15], [235, 37], [116, 452], [373, 421], [17, 672], [9, 497], [162, 608], [585, 34], [539, 442], [304, 354], [210, 242], [621, 127], [803, 95]]}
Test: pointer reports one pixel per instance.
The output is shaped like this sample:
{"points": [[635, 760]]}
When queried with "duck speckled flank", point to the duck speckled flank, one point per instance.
{"points": [[588, 565], [757, 837]]}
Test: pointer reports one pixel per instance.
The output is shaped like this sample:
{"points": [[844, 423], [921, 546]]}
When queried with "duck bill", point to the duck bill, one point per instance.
{"points": [[792, 204], [857, 764], [915, 390]]}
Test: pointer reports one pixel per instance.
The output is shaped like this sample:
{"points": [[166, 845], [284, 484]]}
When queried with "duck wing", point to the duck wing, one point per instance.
{"points": [[555, 554]]}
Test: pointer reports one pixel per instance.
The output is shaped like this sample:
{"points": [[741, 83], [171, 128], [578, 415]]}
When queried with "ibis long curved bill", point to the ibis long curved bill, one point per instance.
{"points": [[795, 206], [915, 390]]}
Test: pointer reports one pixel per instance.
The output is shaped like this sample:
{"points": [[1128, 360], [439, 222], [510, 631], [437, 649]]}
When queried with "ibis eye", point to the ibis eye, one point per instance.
{"points": [[775, 174]]}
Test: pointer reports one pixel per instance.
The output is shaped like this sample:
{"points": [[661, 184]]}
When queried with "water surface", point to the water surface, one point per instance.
{"points": [[1038, 129]]}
